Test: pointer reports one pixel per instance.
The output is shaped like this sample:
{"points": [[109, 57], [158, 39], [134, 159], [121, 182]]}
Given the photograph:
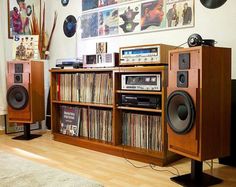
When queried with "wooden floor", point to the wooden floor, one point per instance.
{"points": [[106, 169]]}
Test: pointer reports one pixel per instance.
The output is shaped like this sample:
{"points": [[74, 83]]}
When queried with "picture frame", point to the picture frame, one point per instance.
{"points": [[22, 16], [101, 47]]}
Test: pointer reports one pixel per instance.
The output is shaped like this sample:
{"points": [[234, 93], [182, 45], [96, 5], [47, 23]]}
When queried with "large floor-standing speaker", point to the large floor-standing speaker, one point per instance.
{"points": [[25, 91], [199, 103], [231, 160]]}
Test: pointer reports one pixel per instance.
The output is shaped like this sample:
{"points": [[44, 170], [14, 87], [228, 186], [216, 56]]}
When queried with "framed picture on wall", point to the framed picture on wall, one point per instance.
{"points": [[23, 17]]}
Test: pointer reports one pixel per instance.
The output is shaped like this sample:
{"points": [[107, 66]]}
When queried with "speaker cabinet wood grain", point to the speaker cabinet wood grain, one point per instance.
{"points": [[199, 102], [25, 96]]}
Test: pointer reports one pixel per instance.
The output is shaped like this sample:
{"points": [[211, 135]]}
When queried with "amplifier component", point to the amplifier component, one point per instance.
{"points": [[147, 101], [145, 54], [151, 82], [100, 60]]}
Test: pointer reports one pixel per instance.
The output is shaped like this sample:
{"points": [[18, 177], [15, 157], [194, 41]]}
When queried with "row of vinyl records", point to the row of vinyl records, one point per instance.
{"points": [[84, 87], [143, 131], [86, 122]]}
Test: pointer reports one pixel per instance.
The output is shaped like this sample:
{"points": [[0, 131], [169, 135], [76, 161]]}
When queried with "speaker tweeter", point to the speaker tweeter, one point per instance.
{"points": [[184, 61]]}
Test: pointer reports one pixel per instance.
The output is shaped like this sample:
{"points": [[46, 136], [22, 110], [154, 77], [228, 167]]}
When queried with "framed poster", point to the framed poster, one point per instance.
{"points": [[20, 16]]}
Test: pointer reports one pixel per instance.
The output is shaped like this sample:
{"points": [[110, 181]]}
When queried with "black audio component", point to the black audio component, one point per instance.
{"points": [[149, 101]]}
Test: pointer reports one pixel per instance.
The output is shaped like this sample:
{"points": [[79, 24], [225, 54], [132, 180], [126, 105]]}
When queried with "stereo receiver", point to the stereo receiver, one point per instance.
{"points": [[151, 82], [144, 54]]}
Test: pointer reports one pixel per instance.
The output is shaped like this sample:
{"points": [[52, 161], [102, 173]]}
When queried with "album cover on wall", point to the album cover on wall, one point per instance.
{"points": [[108, 22], [152, 15], [92, 4], [101, 47], [123, 1], [89, 24], [129, 18], [102, 3], [89, 4], [25, 47], [179, 13]]}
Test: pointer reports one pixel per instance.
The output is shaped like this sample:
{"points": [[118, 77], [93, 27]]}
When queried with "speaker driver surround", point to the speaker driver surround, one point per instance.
{"points": [[180, 112], [17, 97]]}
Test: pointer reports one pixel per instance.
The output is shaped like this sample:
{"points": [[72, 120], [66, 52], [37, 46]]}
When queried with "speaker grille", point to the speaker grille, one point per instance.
{"points": [[180, 112], [17, 97]]}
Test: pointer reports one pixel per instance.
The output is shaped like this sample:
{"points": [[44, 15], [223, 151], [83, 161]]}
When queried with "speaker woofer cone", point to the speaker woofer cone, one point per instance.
{"points": [[17, 97], [180, 112]]}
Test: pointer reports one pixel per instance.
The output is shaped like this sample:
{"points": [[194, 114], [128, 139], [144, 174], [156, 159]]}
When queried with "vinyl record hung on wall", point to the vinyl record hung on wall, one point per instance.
{"points": [[212, 3], [64, 2], [69, 26]]}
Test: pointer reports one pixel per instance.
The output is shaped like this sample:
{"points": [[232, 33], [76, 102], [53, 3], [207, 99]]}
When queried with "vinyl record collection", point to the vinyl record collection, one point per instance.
{"points": [[143, 131], [85, 87], [91, 123]]}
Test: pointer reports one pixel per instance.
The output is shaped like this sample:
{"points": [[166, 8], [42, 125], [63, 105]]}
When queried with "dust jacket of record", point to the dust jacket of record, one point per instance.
{"points": [[69, 120]]}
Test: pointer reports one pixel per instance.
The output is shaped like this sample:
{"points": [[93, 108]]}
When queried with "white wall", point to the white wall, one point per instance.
{"points": [[219, 24]]}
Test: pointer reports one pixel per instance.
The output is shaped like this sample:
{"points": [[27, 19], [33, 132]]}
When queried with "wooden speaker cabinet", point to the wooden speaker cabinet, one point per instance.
{"points": [[25, 91], [199, 102]]}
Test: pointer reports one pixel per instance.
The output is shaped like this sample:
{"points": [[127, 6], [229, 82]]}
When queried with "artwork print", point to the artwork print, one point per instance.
{"points": [[129, 17], [108, 22], [20, 14], [93, 4], [89, 4], [102, 3], [179, 13], [89, 25], [25, 47], [152, 15]]}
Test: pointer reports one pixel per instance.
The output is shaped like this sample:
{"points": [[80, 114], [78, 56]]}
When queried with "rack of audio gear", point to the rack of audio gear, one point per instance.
{"points": [[138, 126]]}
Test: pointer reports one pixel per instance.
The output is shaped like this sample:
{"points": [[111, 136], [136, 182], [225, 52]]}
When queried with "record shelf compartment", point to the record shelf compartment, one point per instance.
{"points": [[111, 103]]}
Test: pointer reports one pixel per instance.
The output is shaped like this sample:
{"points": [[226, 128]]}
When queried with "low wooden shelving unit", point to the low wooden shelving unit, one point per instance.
{"points": [[116, 146]]}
